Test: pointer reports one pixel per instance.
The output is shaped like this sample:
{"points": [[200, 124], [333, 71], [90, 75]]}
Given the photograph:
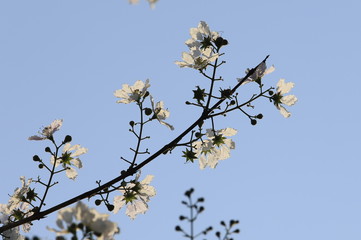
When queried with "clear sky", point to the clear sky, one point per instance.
{"points": [[296, 178]]}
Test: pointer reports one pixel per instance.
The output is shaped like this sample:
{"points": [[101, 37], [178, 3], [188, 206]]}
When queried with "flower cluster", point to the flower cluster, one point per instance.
{"points": [[135, 195], [282, 88], [88, 220], [18, 208], [216, 147], [201, 51]]}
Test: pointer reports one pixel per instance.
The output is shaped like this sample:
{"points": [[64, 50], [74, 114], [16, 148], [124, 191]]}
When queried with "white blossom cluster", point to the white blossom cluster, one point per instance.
{"points": [[210, 151], [14, 207], [95, 222], [199, 56]]}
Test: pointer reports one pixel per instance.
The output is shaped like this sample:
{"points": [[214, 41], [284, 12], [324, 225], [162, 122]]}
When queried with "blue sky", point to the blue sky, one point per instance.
{"points": [[295, 178]]}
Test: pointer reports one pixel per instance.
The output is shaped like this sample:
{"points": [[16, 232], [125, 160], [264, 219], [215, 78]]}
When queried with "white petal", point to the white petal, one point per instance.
{"points": [[79, 151], [213, 159], [202, 162], [118, 203], [36, 138], [147, 179], [283, 87], [284, 111], [228, 132], [135, 208], [77, 163], [187, 58], [289, 100], [71, 173]]}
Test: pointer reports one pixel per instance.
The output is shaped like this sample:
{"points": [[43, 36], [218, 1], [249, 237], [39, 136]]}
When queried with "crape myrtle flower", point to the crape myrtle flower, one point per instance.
{"points": [[200, 48], [48, 131], [160, 113], [216, 147], [90, 218], [135, 196], [279, 98], [258, 74], [133, 93], [70, 158]]}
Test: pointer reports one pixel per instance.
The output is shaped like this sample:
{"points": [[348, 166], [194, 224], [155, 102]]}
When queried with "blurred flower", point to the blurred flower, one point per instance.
{"points": [[16, 209], [160, 113], [48, 131], [216, 147], [70, 158], [200, 47], [135, 196], [133, 93], [279, 98], [151, 2], [258, 74], [93, 221]]}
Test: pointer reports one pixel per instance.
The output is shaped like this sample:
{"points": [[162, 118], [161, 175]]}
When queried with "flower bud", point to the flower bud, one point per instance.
{"points": [[98, 202], [201, 199], [110, 207], [220, 42], [147, 111], [181, 218], [259, 116], [41, 165], [47, 149], [131, 123], [270, 92], [36, 158], [189, 192], [232, 102], [253, 121], [67, 139], [178, 228]]}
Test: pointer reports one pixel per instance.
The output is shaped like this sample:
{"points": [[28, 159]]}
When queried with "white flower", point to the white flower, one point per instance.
{"points": [[259, 73], [48, 131], [133, 93], [215, 148], [13, 234], [89, 217], [15, 203], [201, 53], [135, 196], [197, 59], [279, 98], [70, 158], [160, 113], [202, 32]]}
